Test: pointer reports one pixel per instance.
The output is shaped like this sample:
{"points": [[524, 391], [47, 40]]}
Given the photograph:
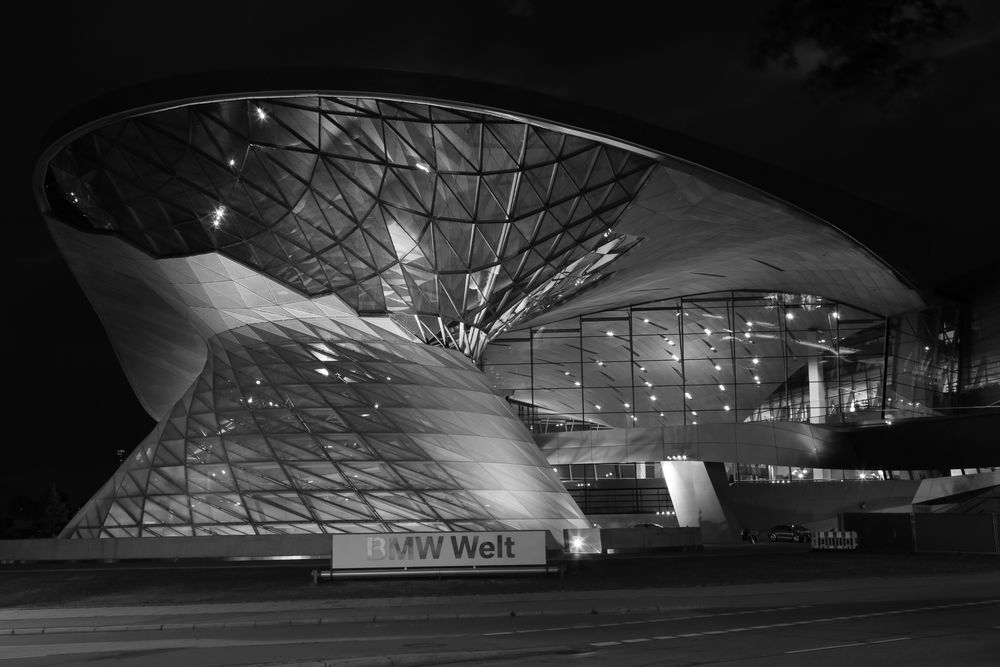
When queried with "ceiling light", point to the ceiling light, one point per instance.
{"points": [[722, 387], [755, 361], [789, 316], [687, 395], [718, 367], [261, 114], [726, 408]]}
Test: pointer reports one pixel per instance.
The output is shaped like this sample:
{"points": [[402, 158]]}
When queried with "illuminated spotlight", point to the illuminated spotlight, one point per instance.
{"points": [[722, 387], [652, 398], [626, 405], [376, 406], [661, 414], [645, 320], [258, 381], [597, 407], [789, 316], [642, 369], [726, 408], [609, 333], [687, 395], [576, 544], [694, 413], [232, 162], [577, 384], [695, 423], [755, 361], [717, 367], [217, 215], [565, 372], [261, 114]]}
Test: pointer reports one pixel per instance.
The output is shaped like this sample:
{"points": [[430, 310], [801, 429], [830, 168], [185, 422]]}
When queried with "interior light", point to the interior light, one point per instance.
{"points": [[722, 387], [675, 357], [789, 316], [261, 115], [626, 405], [755, 361], [322, 371], [565, 372], [746, 334], [694, 413], [642, 369], [423, 167], [695, 423], [718, 367], [376, 406], [687, 395], [708, 332], [577, 383], [610, 333], [597, 407], [232, 162], [217, 215], [366, 414], [648, 383], [652, 398], [258, 381], [646, 320], [726, 408], [661, 414], [836, 315]]}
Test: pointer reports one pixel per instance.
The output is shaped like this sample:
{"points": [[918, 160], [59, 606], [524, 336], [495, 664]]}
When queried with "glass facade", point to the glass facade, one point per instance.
{"points": [[318, 427], [727, 357], [453, 221]]}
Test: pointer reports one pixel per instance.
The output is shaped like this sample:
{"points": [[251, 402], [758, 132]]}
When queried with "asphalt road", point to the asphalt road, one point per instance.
{"points": [[943, 620]]}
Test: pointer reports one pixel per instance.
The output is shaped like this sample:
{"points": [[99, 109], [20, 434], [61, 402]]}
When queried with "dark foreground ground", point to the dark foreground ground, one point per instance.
{"points": [[80, 585]]}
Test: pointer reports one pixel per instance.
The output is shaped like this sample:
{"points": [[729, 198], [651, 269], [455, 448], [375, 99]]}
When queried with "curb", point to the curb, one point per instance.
{"points": [[421, 659], [376, 618]]}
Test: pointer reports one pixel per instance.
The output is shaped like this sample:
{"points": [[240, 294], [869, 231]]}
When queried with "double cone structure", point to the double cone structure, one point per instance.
{"points": [[297, 289]]}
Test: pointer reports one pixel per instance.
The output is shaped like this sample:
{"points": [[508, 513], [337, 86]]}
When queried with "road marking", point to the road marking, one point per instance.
{"points": [[805, 622], [825, 648]]}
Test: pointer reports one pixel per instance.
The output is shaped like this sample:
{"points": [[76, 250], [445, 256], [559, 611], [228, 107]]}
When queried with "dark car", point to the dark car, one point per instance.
{"points": [[789, 532]]}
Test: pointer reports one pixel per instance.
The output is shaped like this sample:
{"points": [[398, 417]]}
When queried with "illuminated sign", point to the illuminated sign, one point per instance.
{"points": [[402, 550]]}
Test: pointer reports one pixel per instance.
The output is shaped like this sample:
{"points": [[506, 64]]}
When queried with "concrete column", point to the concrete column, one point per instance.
{"points": [[696, 503], [817, 387]]}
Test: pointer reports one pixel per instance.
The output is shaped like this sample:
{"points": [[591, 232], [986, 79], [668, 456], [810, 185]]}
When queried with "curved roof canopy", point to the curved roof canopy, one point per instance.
{"points": [[395, 207]]}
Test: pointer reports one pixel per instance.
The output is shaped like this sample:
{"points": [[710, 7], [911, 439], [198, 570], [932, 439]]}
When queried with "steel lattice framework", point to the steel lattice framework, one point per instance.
{"points": [[448, 219]]}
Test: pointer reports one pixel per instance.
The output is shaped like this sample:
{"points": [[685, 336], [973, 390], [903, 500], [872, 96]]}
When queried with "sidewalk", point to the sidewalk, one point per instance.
{"points": [[331, 611]]}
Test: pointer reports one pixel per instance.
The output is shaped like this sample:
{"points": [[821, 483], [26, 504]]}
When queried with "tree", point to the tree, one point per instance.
{"points": [[53, 515], [880, 49]]}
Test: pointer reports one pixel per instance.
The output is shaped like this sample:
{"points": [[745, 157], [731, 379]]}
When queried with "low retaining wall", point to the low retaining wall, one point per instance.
{"points": [[166, 548], [619, 540]]}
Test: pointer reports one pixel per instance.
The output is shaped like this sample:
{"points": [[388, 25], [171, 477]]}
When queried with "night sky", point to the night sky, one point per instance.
{"points": [[918, 164]]}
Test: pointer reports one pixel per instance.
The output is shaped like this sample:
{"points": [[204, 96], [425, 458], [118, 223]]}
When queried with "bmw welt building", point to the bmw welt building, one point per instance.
{"points": [[374, 310]]}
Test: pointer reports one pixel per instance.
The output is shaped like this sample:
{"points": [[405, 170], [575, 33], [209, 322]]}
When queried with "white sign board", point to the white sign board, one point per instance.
{"points": [[403, 550]]}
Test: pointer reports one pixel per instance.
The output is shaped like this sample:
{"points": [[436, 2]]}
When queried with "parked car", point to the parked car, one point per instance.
{"points": [[789, 532]]}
